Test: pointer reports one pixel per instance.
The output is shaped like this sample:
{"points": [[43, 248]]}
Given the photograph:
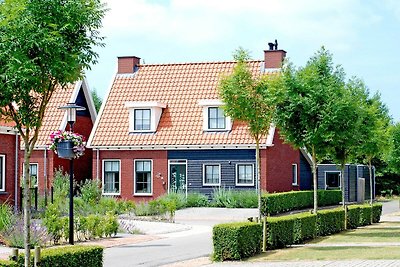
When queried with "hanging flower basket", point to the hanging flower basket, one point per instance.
{"points": [[67, 145]]}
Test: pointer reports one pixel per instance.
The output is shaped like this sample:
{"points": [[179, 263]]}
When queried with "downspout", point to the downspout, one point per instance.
{"points": [[97, 164], [45, 176], [16, 174]]}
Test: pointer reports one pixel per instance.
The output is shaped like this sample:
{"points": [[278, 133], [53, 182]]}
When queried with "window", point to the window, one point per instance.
{"points": [[33, 170], [2, 172], [244, 174], [332, 179], [143, 184], [211, 174], [142, 119], [294, 174], [111, 177], [216, 118]]}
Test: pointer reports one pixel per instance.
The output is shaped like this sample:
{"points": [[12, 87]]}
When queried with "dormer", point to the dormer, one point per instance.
{"points": [[214, 118], [144, 116]]}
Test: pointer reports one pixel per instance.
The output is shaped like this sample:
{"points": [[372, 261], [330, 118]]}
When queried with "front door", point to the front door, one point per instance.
{"points": [[177, 177]]}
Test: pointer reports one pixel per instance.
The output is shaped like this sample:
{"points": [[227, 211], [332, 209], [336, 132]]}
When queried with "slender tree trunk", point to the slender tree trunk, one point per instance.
{"points": [[315, 180], [371, 198], [258, 177], [342, 184], [27, 203]]}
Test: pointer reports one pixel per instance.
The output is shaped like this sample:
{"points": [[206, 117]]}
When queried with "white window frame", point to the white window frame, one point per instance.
{"points": [[151, 178], [214, 103], [37, 174], [237, 174], [204, 174], [134, 119], [103, 177], [340, 178], [295, 174], [156, 109], [3, 173]]}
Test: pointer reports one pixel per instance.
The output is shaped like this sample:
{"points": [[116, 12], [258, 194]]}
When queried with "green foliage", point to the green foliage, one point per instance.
{"points": [[330, 221], [179, 199], [90, 191], [353, 216], [67, 256], [236, 241], [196, 200], [96, 100], [376, 212], [283, 202], [360, 215], [60, 186], [228, 198], [291, 229], [6, 216], [394, 153], [5, 263]]}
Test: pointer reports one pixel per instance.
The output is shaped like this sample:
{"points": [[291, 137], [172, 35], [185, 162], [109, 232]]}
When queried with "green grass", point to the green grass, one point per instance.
{"points": [[339, 247], [329, 253]]}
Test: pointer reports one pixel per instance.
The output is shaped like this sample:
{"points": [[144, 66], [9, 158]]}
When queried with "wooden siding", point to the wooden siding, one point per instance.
{"points": [[305, 174], [227, 159]]}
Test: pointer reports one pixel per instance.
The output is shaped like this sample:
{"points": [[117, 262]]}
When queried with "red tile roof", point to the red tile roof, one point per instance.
{"points": [[180, 86], [53, 116]]}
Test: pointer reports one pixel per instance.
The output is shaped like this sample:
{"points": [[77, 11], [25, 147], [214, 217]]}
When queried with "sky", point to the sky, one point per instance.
{"points": [[362, 35]]}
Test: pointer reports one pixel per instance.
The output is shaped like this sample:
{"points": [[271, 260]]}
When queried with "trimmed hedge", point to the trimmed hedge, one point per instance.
{"points": [[290, 229], [69, 256], [360, 215], [235, 241], [330, 221], [376, 212], [294, 200], [4, 263]]}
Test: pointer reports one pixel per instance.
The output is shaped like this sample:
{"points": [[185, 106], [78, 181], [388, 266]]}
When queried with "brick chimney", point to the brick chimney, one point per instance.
{"points": [[127, 64], [273, 58]]}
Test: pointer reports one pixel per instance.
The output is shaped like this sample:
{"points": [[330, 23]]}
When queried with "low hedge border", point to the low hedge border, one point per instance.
{"points": [[4, 263], [276, 203], [235, 241], [68, 256]]}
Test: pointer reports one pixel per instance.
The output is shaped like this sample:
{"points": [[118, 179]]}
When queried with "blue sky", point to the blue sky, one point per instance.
{"points": [[363, 35]]}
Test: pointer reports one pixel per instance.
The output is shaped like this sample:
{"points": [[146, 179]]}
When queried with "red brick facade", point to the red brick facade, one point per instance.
{"points": [[8, 151]]}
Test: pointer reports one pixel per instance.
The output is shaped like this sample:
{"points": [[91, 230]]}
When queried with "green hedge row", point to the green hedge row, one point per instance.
{"points": [[283, 202], [4, 263], [360, 215], [235, 241], [68, 256]]}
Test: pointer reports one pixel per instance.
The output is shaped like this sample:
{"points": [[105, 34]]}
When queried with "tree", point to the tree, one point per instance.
{"points": [[306, 100], [43, 44], [374, 132], [394, 153], [247, 99], [96, 99]]}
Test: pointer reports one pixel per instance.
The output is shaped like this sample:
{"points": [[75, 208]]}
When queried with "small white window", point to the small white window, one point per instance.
{"points": [[144, 116], [212, 174], [245, 175], [294, 174], [143, 178], [111, 177], [214, 118], [33, 170], [332, 179], [2, 172], [142, 119]]}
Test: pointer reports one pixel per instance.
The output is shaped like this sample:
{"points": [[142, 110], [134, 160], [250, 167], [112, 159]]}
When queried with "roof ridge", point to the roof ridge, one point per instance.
{"points": [[196, 63]]}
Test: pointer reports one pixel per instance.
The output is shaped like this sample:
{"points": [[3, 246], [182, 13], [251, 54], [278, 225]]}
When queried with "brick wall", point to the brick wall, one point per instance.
{"points": [[127, 157], [7, 148]]}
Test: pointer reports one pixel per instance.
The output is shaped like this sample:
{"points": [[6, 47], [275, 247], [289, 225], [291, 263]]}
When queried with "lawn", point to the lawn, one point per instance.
{"points": [[341, 246]]}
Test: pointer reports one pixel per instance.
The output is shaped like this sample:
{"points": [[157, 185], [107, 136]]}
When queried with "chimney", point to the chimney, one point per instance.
{"points": [[273, 58], [128, 64]]}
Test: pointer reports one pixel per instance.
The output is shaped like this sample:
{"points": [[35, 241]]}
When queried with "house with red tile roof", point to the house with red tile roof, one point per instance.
{"points": [[162, 129], [43, 161]]}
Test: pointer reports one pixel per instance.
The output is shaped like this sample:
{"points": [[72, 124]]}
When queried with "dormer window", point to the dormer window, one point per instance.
{"points": [[144, 116], [214, 118], [142, 119]]}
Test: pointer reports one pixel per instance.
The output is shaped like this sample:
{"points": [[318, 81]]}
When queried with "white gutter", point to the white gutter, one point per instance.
{"points": [[172, 147]]}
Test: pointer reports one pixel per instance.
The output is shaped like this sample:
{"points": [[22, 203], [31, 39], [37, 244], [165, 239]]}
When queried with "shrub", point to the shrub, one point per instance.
{"points": [[5, 263], [365, 214], [178, 198], [290, 229], [222, 198], [283, 202], [6, 216], [235, 241], [90, 191], [228, 198], [376, 212], [196, 200], [68, 256], [353, 216], [60, 186], [330, 221]]}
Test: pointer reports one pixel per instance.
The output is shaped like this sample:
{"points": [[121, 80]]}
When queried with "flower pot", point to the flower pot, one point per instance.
{"points": [[65, 150]]}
